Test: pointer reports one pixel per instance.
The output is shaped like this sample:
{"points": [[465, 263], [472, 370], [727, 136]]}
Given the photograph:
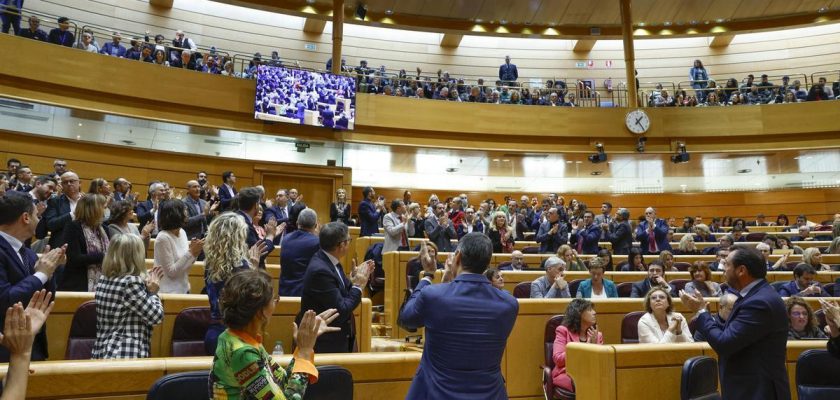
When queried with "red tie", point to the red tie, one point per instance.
{"points": [[651, 242], [404, 239]]}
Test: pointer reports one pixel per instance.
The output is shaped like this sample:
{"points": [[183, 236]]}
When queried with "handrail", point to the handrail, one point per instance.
{"points": [[822, 74], [52, 21]]}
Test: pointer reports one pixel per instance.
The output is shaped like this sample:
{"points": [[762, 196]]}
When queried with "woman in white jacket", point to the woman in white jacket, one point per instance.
{"points": [[661, 324]]}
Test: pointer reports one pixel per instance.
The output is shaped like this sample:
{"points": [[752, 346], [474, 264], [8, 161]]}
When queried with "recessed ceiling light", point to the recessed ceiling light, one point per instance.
{"points": [[479, 20], [596, 173], [495, 160], [667, 23], [744, 171], [504, 21], [569, 162], [719, 20], [693, 22], [578, 162], [310, 1], [822, 10], [641, 24], [78, 137], [505, 160], [389, 12], [80, 124], [683, 185]]}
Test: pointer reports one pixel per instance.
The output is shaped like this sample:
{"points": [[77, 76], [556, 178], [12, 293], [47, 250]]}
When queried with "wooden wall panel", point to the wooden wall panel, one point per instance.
{"points": [[817, 204]]}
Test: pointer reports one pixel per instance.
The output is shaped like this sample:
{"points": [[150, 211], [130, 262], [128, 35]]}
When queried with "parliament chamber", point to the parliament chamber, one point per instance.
{"points": [[562, 132]]}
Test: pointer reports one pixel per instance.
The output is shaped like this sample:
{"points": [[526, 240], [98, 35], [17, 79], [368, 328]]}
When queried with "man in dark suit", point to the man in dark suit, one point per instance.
{"points": [[467, 324], [298, 249], [620, 232], [22, 273], [249, 203], [752, 344], [147, 210], [325, 286], [439, 228], [656, 277], [278, 212], [507, 72], [759, 221], [652, 233], [552, 233], [369, 213], [294, 206], [198, 210], [121, 189], [227, 191], [59, 209], [585, 238]]}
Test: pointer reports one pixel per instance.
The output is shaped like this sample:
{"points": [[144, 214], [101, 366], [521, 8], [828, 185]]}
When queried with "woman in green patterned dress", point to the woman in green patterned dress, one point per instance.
{"points": [[242, 368]]}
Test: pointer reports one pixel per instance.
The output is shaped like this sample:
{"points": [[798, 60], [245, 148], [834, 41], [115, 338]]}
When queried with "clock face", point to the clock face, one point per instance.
{"points": [[637, 121]]}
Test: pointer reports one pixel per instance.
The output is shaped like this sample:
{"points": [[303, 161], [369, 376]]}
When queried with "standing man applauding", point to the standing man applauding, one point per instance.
{"points": [[751, 345], [369, 212], [652, 233], [467, 325]]}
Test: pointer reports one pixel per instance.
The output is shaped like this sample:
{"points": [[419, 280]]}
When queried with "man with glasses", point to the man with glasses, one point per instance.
{"points": [[517, 262], [585, 238], [652, 233], [325, 286], [655, 278], [60, 209], [765, 251], [440, 229], [752, 344], [34, 31], [552, 233]]}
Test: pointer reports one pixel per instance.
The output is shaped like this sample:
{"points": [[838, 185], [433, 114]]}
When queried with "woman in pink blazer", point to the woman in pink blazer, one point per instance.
{"points": [[578, 326]]}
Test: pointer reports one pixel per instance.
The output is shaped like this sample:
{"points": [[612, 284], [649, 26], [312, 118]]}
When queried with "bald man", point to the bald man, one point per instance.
{"points": [[60, 210]]}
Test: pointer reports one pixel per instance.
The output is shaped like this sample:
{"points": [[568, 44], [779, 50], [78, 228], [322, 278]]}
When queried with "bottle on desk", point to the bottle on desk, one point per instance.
{"points": [[278, 349]]}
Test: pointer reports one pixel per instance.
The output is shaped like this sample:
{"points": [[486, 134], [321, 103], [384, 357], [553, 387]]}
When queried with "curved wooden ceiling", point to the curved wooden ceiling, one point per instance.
{"points": [[570, 18]]}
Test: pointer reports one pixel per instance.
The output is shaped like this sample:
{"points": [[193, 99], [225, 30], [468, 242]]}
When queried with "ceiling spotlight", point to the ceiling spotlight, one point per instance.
{"points": [[682, 155], [667, 23], [640, 145], [600, 156], [389, 12], [310, 1]]}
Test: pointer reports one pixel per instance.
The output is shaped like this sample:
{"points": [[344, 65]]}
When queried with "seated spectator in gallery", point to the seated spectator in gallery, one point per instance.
{"points": [[803, 283], [62, 35], [146, 54], [797, 90], [596, 287], [553, 284], [661, 324], [185, 61], [701, 280], [803, 322], [635, 261], [86, 43], [114, 48], [159, 58], [127, 304], [34, 31], [517, 262], [134, 52], [579, 325], [664, 100], [817, 93], [655, 278]]}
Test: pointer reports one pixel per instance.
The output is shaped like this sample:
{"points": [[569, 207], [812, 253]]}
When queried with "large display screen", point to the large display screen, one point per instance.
{"points": [[305, 97]]}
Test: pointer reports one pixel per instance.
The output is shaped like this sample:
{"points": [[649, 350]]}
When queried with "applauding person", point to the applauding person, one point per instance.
{"points": [[20, 328], [579, 325], [661, 324]]}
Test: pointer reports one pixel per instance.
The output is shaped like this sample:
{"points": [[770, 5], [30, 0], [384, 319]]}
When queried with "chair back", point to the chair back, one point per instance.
{"points": [[502, 265], [82, 332], [531, 250], [677, 285], [778, 285], [820, 316], [699, 379], [756, 236], [412, 270], [549, 335], [334, 383], [682, 266], [816, 375], [189, 330], [830, 289], [522, 290], [621, 265], [573, 287], [624, 289], [630, 327], [183, 386]]}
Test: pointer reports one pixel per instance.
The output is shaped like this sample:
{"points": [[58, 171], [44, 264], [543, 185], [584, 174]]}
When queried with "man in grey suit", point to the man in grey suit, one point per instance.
{"points": [[199, 212], [604, 218], [440, 228], [397, 231]]}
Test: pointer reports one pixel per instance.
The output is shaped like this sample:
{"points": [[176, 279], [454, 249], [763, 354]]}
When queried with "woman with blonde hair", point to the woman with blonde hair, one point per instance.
{"points": [[340, 209], [570, 256], [501, 234], [813, 257], [127, 304], [687, 245], [226, 253], [834, 248], [667, 260], [703, 233], [87, 243]]}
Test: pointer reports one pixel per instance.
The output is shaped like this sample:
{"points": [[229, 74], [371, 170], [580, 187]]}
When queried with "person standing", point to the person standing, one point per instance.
{"points": [[298, 249], [397, 228], [370, 212], [508, 73], [752, 344], [467, 324], [652, 233]]}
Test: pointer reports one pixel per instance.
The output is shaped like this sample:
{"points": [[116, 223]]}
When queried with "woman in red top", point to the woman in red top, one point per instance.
{"points": [[578, 326]]}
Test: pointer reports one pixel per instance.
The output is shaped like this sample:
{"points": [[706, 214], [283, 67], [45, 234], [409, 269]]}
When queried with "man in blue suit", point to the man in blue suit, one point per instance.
{"points": [[298, 249], [369, 212], [325, 286], [227, 191], [249, 202], [585, 238], [60, 208], [752, 343], [467, 324], [652, 233], [508, 73], [552, 233], [620, 232], [22, 273]]}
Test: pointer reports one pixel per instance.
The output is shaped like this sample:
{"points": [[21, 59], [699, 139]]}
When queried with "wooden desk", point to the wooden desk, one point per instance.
{"points": [[617, 372], [280, 328]]}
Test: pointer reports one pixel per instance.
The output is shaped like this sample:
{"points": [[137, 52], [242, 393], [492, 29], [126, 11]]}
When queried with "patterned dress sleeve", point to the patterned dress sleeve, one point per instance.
{"points": [[263, 378], [142, 302]]}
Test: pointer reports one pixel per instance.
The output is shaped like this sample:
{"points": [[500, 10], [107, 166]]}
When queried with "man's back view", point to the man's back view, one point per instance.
{"points": [[467, 324]]}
